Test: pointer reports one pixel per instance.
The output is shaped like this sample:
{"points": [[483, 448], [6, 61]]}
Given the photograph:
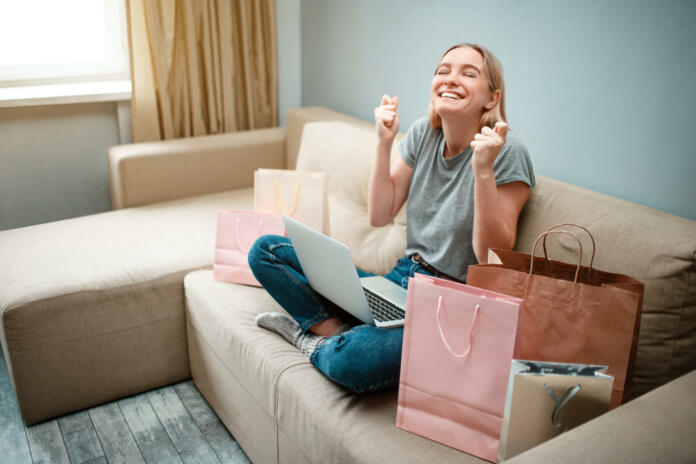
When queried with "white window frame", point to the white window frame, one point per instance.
{"points": [[109, 80]]}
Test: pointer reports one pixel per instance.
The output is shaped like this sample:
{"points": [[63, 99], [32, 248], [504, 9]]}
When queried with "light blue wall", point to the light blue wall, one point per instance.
{"points": [[601, 92]]}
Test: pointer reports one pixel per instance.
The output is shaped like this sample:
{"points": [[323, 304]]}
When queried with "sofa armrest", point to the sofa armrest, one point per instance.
{"points": [[656, 427], [150, 172]]}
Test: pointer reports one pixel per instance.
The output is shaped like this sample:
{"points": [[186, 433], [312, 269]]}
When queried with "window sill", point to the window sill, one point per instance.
{"points": [[60, 94]]}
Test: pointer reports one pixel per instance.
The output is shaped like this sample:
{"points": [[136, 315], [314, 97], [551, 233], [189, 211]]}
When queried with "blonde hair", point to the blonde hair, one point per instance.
{"points": [[494, 72]]}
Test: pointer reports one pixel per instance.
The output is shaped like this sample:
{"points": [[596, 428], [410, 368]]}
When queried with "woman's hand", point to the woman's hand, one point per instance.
{"points": [[487, 145], [388, 187], [387, 119]]}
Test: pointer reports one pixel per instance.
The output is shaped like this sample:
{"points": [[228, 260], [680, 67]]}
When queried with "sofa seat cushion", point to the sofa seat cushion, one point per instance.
{"points": [[111, 249], [234, 363], [317, 420], [92, 307], [223, 314], [328, 423], [348, 165]]}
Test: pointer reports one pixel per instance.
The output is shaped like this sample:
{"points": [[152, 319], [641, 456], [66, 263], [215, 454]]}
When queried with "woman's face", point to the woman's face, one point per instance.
{"points": [[460, 85]]}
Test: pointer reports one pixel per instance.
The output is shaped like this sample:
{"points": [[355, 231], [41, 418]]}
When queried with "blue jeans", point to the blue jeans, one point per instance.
{"points": [[363, 359]]}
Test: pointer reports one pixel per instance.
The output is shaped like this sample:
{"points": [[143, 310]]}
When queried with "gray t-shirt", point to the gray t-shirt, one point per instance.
{"points": [[440, 208]]}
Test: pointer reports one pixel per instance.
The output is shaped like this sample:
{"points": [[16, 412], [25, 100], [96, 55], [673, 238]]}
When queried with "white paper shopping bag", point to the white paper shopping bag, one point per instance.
{"points": [[301, 195]]}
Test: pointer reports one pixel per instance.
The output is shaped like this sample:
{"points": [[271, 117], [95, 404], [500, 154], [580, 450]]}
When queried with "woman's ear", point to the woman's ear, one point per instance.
{"points": [[493, 100]]}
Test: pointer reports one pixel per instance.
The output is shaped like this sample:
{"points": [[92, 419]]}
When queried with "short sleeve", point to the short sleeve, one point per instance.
{"points": [[410, 145], [513, 164]]}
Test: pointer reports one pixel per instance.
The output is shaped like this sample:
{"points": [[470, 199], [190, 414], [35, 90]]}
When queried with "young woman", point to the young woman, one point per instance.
{"points": [[466, 179]]}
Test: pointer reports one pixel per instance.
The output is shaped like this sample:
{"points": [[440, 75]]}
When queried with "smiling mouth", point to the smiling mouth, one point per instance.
{"points": [[450, 95]]}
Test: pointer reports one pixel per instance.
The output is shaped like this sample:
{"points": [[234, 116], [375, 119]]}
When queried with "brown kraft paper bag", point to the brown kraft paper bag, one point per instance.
{"points": [[571, 313]]}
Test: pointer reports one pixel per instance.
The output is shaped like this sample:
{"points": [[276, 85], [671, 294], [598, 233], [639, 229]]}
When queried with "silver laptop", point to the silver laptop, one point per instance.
{"points": [[329, 268]]}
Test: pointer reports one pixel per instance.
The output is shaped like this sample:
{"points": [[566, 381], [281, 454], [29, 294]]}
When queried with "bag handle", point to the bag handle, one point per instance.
{"points": [[557, 417], [239, 245], [470, 336], [550, 232], [565, 224], [297, 197]]}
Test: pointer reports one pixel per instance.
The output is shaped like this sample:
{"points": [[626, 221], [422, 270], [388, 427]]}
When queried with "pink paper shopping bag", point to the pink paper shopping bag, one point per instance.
{"points": [[459, 342], [236, 233]]}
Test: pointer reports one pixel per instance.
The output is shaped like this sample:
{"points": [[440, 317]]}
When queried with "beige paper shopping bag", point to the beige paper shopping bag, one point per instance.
{"points": [[545, 399], [301, 195]]}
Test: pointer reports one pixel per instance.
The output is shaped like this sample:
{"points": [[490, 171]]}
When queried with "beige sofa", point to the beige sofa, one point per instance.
{"points": [[94, 308]]}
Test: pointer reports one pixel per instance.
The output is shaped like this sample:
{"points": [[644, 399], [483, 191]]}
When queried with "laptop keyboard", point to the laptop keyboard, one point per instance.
{"points": [[383, 310]]}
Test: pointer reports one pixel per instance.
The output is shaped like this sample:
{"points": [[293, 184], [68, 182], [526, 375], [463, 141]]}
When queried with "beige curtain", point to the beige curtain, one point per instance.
{"points": [[202, 67]]}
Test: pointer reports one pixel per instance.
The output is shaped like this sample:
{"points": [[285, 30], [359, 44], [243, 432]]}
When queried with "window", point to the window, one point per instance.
{"points": [[59, 42]]}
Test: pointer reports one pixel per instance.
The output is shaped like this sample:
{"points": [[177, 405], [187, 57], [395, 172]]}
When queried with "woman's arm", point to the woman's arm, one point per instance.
{"points": [[496, 208], [388, 187]]}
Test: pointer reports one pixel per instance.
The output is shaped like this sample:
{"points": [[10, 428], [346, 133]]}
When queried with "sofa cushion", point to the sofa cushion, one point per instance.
{"points": [[111, 249], [92, 307], [234, 363], [348, 165], [328, 423], [317, 420], [657, 248], [223, 313]]}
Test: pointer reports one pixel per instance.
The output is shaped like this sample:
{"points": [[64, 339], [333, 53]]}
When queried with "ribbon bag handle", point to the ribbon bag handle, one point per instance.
{"points": [[550, 232], [239, 244], [470, 336], [557, 416], [297, 198], [567, 224]]}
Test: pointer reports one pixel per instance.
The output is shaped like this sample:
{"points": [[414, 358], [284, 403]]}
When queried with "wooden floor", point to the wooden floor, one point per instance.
{"points": [[170, 425]]}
